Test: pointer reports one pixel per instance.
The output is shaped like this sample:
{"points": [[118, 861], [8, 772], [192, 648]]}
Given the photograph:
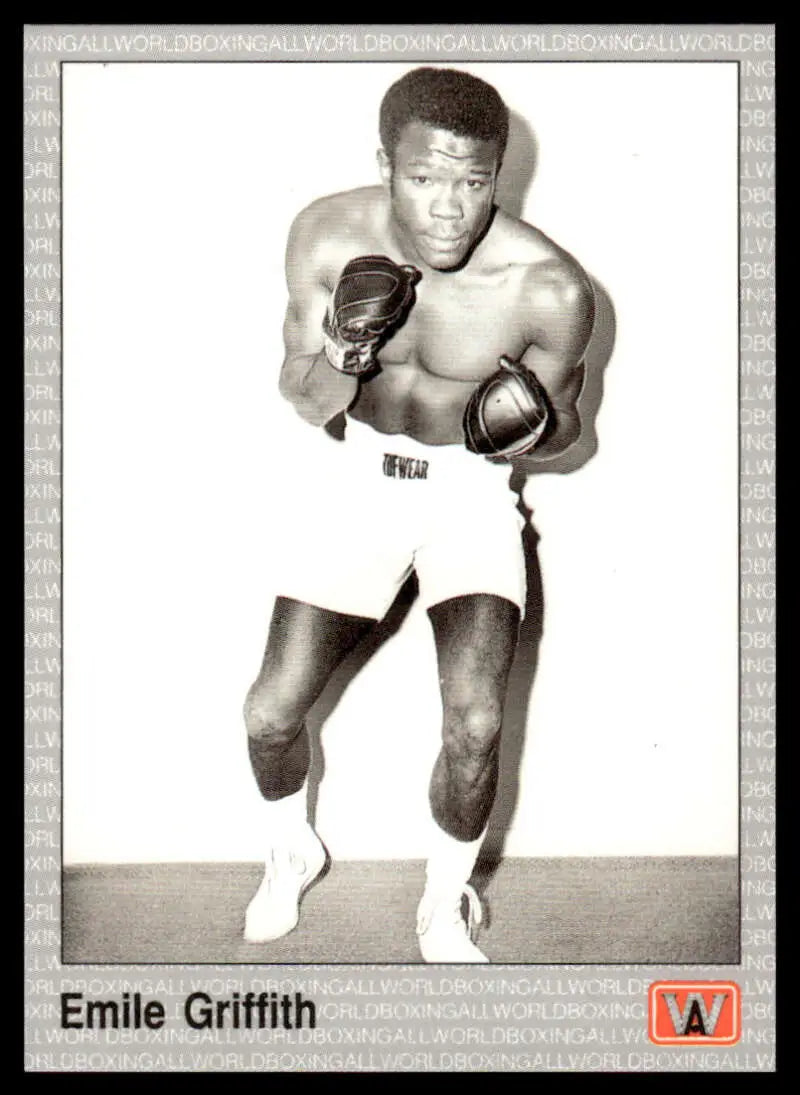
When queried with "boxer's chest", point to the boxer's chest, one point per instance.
{"points": [[458, 330]]}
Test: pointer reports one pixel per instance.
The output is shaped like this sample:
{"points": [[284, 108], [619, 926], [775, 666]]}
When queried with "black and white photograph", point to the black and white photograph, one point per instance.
{"points": [[401, 544]]}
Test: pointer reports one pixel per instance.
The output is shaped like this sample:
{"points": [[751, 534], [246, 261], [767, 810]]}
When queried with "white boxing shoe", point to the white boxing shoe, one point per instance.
{"points": [[444, 934], [288, 872]]}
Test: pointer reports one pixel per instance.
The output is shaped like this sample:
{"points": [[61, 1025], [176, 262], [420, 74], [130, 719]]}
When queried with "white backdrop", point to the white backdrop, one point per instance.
{"points": [[180, 182]]}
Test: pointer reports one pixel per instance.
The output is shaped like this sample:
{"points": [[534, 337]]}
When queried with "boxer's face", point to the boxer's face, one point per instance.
{"points": [[442, 189]]}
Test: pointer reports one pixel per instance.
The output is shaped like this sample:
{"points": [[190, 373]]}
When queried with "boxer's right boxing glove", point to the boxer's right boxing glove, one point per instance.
{"points": [[372, 296]]}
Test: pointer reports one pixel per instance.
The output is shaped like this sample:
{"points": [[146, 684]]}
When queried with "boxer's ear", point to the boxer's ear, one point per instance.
{"points": [[385, 167]]}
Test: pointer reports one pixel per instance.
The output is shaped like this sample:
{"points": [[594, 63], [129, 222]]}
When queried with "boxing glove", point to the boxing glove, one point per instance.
{"points": [[507, 414], [373, 294]]}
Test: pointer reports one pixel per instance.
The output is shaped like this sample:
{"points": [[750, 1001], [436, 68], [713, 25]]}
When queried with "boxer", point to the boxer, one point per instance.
{"points": [[452, 336]]}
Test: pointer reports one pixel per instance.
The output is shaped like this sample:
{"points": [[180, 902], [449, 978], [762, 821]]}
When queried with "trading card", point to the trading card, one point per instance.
{"points": [[400, 572]]}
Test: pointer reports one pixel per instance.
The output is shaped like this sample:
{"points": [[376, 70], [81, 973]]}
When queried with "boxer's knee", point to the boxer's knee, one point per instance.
{"points": [[471, 729], [272, 716]]}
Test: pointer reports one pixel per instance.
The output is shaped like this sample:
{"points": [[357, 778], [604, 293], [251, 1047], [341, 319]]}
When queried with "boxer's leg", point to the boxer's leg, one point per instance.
{"points": [[305, 645], [476, 637]]}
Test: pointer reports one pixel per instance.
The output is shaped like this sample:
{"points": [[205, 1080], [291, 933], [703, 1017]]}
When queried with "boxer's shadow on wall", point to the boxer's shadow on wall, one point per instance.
{"points": [[519, 166]]}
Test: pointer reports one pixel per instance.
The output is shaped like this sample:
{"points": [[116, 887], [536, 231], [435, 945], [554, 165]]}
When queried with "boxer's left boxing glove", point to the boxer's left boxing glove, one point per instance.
{"points": [[508, 413], [373, 294]]}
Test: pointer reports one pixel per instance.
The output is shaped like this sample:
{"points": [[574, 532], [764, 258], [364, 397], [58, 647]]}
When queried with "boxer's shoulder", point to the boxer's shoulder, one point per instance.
{"points": [[331, 229], [544, 279], [542, 263]]}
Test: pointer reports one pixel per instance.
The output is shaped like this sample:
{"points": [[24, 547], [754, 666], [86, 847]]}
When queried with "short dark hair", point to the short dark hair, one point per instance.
{"points": [[448, 99]]}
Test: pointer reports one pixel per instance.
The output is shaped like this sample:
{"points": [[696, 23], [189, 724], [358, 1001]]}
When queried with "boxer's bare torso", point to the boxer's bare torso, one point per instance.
{"points": [[512, 291]]}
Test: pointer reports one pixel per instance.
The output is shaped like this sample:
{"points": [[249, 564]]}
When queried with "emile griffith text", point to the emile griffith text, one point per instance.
{"points": [[246, 1011]]}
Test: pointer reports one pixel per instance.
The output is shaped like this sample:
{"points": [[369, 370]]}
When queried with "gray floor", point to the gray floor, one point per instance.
{"points": [[573, 911]]}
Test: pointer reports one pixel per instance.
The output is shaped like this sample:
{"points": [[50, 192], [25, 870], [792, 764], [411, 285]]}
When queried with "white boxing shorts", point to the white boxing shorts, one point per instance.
{"points": [[384, 505]]}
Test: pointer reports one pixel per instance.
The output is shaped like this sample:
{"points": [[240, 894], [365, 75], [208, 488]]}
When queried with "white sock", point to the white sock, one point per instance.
{"points": [[286, 816], [450, 861]]}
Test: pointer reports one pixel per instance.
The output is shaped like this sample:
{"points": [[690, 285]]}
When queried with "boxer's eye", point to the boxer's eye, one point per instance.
{"points": [[476, 184], [420, 180]]}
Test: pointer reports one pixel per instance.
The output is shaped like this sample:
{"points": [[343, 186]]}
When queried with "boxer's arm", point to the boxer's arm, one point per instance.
{"points": [[563, 313], [317, 391]]}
